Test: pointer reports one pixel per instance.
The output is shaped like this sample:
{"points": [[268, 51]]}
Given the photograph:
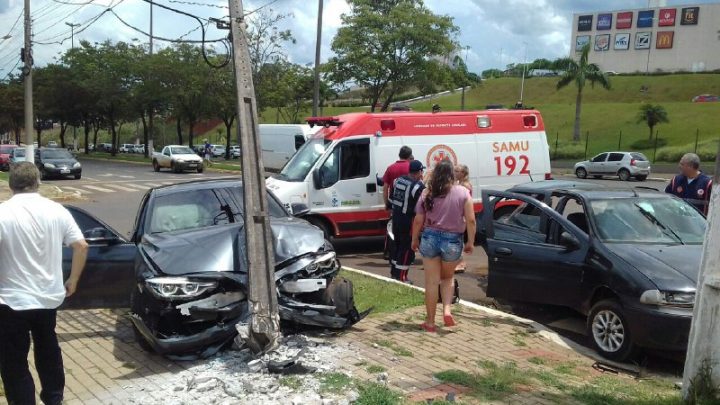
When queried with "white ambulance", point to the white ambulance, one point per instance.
{"points": [[335, 173]]}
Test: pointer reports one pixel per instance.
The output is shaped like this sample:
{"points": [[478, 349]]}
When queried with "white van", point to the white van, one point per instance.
{"points": [[281, 141], [335, 173]]}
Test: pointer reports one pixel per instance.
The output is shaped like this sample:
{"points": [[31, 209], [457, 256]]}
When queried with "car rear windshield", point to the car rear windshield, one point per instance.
{"points": [[56, 154], [639, 156], [5, 149], [19, 152], [664, 220], [202, 208]]}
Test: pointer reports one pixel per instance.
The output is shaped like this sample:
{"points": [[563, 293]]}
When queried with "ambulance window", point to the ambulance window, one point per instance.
{"points": [[329, 170], [355, 160]]}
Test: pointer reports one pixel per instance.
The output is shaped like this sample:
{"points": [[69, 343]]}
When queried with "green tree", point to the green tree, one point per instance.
{"points": [[492, 73], [55, 84], [580, 72], [12, 111], [385, 46], [224, 100], [652, 115]]}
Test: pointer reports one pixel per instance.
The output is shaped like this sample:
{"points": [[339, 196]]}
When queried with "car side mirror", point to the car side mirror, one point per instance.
{"points": [[379, 180], [100, 236], [569, 241], [299, 209], [317, 179]]}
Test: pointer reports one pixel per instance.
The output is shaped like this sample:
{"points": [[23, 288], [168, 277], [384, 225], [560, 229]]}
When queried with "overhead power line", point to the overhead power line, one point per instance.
{"points": [[195, 3], [11, 70], [84, 25], [178, 40]]}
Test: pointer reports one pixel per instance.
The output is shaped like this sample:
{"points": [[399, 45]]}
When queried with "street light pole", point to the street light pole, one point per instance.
{"points": [[72, 46], [150, 147], [316, 89], [27, 72], [262, 332]]}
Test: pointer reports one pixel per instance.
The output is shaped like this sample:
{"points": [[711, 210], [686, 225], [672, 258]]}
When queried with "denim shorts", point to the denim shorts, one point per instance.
{"points": [[447, 245]]}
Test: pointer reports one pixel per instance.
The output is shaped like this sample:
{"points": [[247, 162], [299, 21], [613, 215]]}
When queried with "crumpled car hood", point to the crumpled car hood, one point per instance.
{"points": [[670, 268], [219, 248]]}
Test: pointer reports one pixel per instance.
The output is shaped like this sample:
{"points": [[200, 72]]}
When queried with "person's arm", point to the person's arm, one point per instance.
{"points": [[80, 252], [670, 188], [471, 226], [386, 197], [416, 229]]}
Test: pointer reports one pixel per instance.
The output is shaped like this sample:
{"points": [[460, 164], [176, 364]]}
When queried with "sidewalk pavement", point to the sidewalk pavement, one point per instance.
{"points": [[512, 363]]}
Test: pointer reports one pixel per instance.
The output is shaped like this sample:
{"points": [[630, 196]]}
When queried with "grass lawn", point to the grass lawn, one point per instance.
{"points": [[384, 297], [4, 176]]}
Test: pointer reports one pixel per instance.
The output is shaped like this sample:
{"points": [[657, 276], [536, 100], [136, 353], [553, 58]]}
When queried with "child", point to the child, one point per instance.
{"points": [[462, 178]]}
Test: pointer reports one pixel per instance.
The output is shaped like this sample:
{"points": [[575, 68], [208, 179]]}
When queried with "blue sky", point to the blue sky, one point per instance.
{"points": [[495, 30]]}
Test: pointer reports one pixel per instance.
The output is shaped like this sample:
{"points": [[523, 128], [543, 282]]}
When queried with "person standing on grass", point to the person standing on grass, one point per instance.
{"points": [[406, 193], [33, 231], [691, 184], [444, 212], [462, 178], [207, 149]]}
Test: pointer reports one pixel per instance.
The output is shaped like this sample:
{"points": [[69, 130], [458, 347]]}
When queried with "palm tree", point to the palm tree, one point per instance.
{"points": [[652, 114], [580, 72]]}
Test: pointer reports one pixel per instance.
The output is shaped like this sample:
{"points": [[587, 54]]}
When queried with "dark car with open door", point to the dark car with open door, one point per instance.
{"points": [[627, 259]]}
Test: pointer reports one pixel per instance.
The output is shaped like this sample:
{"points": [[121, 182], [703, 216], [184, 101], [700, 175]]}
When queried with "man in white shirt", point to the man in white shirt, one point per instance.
{"points": [[33, 231]]}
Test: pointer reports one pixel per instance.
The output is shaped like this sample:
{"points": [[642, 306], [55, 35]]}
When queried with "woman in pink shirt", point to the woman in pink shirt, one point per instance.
{"points": [[443, 214]]}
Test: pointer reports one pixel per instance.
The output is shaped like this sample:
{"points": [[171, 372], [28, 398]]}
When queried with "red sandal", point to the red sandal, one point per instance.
{"points": [[449, 320], [428, 328]]}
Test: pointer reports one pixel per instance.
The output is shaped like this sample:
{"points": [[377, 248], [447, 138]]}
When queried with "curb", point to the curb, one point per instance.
{"points": [[145, 163], [540, 329]]}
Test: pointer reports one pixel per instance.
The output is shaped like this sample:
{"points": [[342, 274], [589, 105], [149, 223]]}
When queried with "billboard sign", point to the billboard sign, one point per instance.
{"points": [[585, 23], [622, 42], [604, 21], [581, 41], [645, 18], [642, 40], [624, 20], [667, 17], [690, 16], [664, 40], [602, 42]]}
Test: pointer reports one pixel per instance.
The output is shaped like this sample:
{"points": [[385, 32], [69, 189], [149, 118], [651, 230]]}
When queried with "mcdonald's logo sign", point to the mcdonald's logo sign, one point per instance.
{"points": [[664, 40]]}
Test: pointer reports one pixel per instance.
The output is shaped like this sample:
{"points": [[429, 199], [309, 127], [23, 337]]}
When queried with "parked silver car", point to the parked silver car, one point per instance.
{"points": [[624, 165]]}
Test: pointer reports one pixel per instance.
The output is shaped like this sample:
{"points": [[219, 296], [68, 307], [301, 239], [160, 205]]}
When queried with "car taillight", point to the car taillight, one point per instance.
{"points": [[632, 162], [548, 176]]}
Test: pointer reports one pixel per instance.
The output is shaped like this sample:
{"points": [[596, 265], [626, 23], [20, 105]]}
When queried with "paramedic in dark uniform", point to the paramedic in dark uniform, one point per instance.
{"points": [[406, 192], [691, 184]]}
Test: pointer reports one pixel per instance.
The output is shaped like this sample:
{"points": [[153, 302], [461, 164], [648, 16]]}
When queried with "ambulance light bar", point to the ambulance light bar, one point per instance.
{"points": [[324, 121]]}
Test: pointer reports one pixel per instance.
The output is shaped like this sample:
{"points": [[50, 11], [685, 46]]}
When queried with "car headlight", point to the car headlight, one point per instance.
{"points": [[178, 287], [49, 166], [77, 164], [674, 299], [324, 262]]}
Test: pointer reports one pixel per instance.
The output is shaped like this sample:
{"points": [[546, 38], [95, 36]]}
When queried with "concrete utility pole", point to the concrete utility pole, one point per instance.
{"points": [[262, 297], [704, 344], [27, 72], [318, 43], [149, 148], [72, 46]]}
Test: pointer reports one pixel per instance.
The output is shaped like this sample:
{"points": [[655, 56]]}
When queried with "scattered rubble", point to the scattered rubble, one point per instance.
{"points": [[239, 377]]}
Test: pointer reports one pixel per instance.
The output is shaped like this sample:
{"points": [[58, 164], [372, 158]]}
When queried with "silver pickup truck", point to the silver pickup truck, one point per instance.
{"points": [[178, 158]]}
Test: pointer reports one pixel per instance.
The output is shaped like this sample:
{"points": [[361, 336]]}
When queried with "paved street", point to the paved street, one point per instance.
{"points": [[112, 191]]}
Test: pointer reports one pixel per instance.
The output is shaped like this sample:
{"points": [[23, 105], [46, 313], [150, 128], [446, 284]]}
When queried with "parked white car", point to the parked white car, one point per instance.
{"points": [[218, 150], [624, 165], [235, 151]]}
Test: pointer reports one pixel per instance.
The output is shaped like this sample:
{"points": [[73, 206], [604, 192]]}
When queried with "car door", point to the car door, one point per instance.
{"points": [[525, 262], [614, 162], [109, 274], [597, 164]]}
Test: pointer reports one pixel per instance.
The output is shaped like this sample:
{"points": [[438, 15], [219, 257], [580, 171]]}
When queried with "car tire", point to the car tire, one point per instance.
{"points": [[581, 173], [322, 225], [156, 165], [200, 168], [174, 168], [641, 178], [78, 176], [43, 174], [609, 332], [624, 175]]}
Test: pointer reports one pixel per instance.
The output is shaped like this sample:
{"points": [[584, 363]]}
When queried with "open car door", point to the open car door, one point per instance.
{"points": [[534, 254], [109, 275]]}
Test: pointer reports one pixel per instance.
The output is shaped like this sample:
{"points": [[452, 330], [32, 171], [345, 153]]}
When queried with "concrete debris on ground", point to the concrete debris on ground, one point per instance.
{"points": [[240, 377]]}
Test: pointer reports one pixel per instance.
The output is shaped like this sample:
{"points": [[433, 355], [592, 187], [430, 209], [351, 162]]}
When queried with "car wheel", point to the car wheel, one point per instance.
{"points": [[322, 225], [78, 176], [641, 178], [624, 175], [581, 173], [174, 168], [156, 166], [43, 174], [200, 168], [608, 331]]}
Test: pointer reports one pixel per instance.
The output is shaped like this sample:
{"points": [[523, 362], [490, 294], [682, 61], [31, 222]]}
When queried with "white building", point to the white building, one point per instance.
{"points": [[669, 39]]}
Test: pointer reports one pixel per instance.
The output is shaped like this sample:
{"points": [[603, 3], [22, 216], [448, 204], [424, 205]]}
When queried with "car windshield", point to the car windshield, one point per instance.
{"points": [[299, 166], [56, 154], [5, 150], [202, 208], [182, 151], [648, 221], [19, 152]]}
